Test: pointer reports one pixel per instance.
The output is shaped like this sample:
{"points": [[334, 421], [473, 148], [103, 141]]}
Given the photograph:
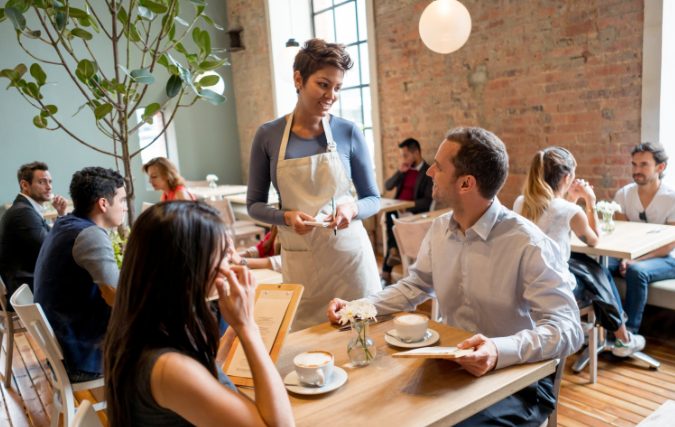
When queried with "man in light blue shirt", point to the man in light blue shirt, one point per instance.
{"points": [[494, 273]]}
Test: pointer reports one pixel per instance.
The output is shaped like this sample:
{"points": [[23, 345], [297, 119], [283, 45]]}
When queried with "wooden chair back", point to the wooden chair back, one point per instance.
{"points": [[86, 416]]}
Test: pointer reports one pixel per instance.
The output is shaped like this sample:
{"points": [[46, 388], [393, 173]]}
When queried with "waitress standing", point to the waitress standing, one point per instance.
{"points": [[311, 157]]}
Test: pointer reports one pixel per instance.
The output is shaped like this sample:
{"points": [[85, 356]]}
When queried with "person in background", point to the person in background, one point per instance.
{"points": [[76, 273], [23, 229], [266, 254], [495, 274], [550, 178], [163, 357], [651, 200], [312, 157], [163, 176], [411, 183]]}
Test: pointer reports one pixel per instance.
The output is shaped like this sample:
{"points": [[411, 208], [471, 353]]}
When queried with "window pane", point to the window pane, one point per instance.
{"points": [[345, 20], [335, 109], [367, 108], [322, 4], [351, 106], [365, 64], [361, 12], [324, 27], [370, 141], [147, 133], [352, 76]]}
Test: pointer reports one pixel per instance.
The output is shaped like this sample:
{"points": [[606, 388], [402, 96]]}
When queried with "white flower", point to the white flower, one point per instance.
{"points": [[211, 178], [357, 310], [608, 207]]}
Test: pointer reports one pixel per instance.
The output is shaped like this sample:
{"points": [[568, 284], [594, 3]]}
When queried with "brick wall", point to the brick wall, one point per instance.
{"points": [[536, 73], [252, 72]]}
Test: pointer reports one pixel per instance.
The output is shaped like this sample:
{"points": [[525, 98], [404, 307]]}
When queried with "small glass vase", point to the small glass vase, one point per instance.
{"points": [[362, 349], [212, 184], [608, 222]]}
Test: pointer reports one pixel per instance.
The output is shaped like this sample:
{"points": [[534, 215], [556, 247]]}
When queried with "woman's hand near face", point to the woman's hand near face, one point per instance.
{"points": [[236, 291], [344, 214], [296, 219]]}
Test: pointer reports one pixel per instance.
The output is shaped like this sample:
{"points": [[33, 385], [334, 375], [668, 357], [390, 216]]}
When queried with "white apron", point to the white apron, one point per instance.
{"points": [[327, 266]]}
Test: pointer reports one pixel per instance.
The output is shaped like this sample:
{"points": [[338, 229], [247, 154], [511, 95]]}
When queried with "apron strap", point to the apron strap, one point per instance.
{"points": [[332, 146], [284, 140]]}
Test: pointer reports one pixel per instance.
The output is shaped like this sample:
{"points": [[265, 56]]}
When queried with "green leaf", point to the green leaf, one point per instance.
{"points": [[17, 18], [172, 32], [150, 111], [163, 60], [52, 109], [196, 38], [211, 23], [184, 73], [86, 67], [154, 7], [80, 76], [31, 90], [192, 58], [146, 13], [32, 34], [135, 35], [122, 15], [200, 9], [212, 97], [181, 21], [60, 20], [120, 88], [125, 70], [205, 39], [143, 76], [80, 109], [84, 21], [179, 47], [198, 2], [12, 75], [94, 24], [73, 12], [41, 3], [211, 65], [21, 5], [38, 74], [209, 81], [174, 70], [40, 122], [173, 86], [102, 110], [83, 34], [2, 15]]}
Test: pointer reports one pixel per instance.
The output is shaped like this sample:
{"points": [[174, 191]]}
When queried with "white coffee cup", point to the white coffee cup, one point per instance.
{"points": [[314, 368], [411, 327]]}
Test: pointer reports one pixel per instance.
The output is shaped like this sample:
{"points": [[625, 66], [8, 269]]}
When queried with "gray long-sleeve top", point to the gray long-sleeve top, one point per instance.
{"points": [[351, 147]]}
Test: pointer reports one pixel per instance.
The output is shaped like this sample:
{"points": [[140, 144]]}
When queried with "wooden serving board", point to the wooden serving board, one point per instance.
{"points": [[434, 353]]}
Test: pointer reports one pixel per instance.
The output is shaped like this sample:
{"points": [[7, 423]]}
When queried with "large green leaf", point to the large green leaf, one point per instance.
{"points": [[86, 67], [133, 32], [2, 15], [211, 23], [206, 42], [41, 3], [180, 48], [150, 111], [102, 110], [154, 7], [143, 76], [12, 75], [17, 18], [125, 70], [52, 109], [40, 122], [38, 74], [181, 21], [83, 34], [84, 22], [211, 65], [73, 12], [163, 60], [209, 81], [122, 15], [31, 90], [212, 97], [146, 13], [60, 20], [196, 37], [94, 24], [173, 86], [21, 5]]}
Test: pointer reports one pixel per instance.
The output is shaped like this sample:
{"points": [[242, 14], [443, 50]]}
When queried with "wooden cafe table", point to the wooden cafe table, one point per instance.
{"points": [[399, 392], [219, 191]]}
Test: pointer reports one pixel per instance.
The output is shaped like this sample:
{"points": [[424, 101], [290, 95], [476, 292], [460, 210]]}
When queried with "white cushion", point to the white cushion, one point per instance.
{"points": [[660, 294]]}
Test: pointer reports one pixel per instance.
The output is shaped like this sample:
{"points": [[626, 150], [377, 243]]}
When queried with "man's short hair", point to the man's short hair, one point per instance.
{"points": [[657, 150], [89, 185], [27, 171], [411, 144], [481, 155]]}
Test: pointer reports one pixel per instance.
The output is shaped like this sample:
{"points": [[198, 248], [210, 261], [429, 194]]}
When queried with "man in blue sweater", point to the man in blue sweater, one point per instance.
{"points": [[76, 273]]}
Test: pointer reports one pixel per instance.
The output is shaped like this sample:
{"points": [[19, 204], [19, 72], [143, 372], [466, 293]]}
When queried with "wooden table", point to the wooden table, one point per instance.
{"points": [[219, 191], [264, 275], [629, 240], [50, 213], [399, 392]]}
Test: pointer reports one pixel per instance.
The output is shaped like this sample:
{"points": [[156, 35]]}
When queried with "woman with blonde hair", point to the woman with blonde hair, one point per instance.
{"points": [[549, 200], [163, 176]]}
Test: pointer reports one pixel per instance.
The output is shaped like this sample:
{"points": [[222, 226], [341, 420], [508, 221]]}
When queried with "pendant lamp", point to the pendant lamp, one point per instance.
{"points": [[445, 25], [286, 59]]}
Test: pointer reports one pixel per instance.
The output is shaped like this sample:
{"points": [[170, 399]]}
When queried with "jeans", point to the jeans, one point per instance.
{"points": [[638, 276]]}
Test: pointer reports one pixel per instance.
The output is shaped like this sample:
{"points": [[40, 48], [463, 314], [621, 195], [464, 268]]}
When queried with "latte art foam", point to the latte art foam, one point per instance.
{"points": [[313, 359], [411, 319]]}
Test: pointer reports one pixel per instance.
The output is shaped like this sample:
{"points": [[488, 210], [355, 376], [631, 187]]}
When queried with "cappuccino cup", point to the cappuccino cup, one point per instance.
{"points": [[411, 327], [314, 368]]}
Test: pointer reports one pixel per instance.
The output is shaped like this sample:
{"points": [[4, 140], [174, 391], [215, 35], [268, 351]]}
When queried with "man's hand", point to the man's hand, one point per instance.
{"points": [[624, 264], [404, 167], [60, 204], [483, 359], [333, 308]]}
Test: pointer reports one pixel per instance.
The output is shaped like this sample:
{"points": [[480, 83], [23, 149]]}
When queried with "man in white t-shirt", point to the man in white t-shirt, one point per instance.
{"points": [[650, 200]]}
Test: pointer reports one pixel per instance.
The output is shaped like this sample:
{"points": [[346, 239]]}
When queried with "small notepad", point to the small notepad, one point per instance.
{"points": [[435, 353]]}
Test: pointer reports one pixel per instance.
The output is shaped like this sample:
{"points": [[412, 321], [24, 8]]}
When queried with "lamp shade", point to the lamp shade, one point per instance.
{"points": [[285, 60], [445, 25]]}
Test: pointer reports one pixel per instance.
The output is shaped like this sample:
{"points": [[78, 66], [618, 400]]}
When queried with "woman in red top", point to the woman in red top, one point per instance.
{"points": [[163, 176]]}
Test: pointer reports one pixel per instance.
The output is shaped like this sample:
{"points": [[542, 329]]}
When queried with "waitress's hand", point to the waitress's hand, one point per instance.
{"points": [[296, 219], [236, 292], [344, 214]]}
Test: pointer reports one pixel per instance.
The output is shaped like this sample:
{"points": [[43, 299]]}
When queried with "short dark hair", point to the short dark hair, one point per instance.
{"points": [[411, 144], [27, 171], [89, 185], [318, 54], [657, 150], [483, 156]]}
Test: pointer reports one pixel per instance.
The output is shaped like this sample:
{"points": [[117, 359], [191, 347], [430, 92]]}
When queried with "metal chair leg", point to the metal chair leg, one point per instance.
{"points": [[9, 351]]}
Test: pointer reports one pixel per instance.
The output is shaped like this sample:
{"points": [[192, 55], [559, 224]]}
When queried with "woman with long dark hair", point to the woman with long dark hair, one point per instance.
{"points": [[162, 353]]}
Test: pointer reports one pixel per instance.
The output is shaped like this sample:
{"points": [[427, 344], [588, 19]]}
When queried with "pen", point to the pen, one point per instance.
{"points": [[332, 202]]}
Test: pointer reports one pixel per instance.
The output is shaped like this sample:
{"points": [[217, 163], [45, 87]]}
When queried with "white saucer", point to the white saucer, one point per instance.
{"points": [[338, 378], [435, 336]]}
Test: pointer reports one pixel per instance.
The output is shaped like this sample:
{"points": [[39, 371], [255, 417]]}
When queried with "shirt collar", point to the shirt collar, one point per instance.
{"points": [[419, 166], [485, 223], [38, 207]]}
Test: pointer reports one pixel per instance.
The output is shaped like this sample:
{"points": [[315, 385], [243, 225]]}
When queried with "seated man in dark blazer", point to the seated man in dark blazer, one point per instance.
{"points": [[22, 227], [411, 183]]}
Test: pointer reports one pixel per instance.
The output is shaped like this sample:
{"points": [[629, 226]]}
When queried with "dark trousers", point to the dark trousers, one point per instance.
{"points": [[391, 240], [529, 407]]}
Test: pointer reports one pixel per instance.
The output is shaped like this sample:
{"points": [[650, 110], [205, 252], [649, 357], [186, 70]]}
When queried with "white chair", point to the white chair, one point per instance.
{"points": [[86, 416], [7, 328], [38, 326], [238, 229], [409, 237]]}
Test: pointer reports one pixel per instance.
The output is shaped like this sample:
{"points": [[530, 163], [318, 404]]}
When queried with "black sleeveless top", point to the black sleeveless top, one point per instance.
{"points": [[145, 411]]}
